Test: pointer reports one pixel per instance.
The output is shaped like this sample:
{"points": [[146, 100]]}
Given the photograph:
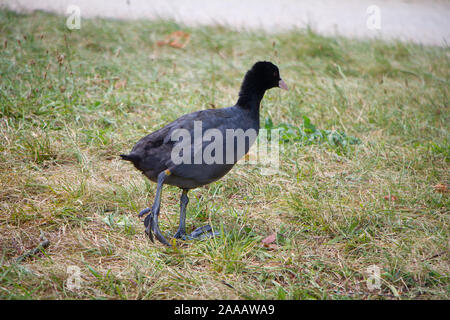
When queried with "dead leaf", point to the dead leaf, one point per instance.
{"points": [[391, 198], [120, 84], [441, 188], [268, 240], [98, 80], [178, 39]]}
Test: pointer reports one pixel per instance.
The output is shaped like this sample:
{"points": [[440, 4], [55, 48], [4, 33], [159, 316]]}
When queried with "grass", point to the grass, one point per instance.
{"points": [[72, 101]]}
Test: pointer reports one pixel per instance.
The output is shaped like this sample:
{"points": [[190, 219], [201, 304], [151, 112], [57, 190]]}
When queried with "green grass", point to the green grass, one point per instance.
{"points": [[72, 101]]}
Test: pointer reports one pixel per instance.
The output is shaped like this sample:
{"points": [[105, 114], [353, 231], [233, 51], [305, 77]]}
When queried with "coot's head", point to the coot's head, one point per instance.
{"points": [[264, 75]]}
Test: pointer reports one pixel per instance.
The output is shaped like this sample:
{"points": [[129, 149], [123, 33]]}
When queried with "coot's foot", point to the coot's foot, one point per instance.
{"points": [[202, 233], [198, 234], [148, 222], [180, 234], [151, 225]]}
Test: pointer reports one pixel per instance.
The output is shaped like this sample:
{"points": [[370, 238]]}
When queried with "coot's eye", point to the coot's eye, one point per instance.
{"points": [[275, 74]]}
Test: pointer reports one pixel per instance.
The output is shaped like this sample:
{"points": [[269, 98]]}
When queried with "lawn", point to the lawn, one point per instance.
{"points": [[72, 101]]}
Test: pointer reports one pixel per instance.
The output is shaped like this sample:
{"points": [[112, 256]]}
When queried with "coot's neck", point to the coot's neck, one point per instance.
{"points": [[250, 99]]}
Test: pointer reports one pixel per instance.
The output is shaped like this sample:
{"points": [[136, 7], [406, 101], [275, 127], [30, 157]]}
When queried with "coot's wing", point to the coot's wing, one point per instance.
{"points": [[212, 159], [153, 152]]}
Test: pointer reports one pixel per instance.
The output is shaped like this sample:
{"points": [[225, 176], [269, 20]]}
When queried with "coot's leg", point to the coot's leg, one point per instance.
{"points": [[151, 221], [199, 233], [184, 200]]}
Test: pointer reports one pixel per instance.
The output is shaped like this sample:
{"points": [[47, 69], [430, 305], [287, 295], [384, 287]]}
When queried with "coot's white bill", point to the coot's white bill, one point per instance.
{"points": [[283, 85]]}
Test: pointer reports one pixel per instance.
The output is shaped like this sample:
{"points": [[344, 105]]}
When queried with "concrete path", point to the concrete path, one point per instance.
{"points": [[420, 21]]}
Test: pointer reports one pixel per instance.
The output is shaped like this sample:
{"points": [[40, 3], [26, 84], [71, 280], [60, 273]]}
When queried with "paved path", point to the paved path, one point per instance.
{"points": [[420, 21]]}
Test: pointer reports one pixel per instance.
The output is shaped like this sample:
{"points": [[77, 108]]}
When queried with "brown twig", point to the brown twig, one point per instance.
{"points": [[42, 245], [435, 256]]}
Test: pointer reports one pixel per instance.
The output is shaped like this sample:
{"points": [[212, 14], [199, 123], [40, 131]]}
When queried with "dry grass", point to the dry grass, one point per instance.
{"points": [[70, 102]]}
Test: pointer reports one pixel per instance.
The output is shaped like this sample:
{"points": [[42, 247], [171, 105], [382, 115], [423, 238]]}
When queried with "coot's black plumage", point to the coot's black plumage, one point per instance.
{"points": [[153, 154]]}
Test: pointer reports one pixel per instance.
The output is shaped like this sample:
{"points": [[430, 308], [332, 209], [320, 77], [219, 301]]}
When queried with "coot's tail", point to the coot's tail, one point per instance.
{"points": [[131, 157]]}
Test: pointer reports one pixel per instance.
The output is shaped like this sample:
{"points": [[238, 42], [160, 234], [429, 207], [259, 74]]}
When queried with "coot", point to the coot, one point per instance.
{"points": [[201, 147]]}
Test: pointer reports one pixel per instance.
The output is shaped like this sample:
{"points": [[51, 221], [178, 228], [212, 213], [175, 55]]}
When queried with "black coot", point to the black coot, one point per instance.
{"points": [[201, 147]]}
